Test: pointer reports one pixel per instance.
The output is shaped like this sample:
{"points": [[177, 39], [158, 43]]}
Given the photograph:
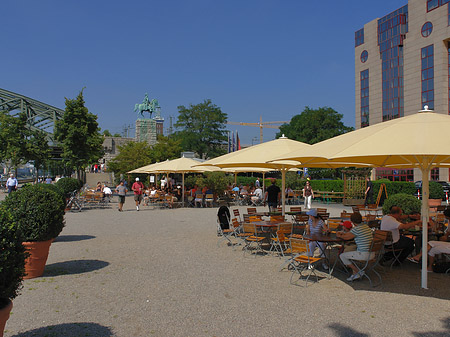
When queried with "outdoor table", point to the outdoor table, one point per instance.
{"points": [[370, 211], [327, 239]]}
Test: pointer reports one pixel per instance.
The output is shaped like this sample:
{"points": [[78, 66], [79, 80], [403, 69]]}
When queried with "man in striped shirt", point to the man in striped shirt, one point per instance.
{"points": [[362, 235]]}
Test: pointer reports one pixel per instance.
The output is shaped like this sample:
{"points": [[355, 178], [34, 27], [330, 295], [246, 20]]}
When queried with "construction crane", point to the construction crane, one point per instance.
{"points": [[261, 125]]}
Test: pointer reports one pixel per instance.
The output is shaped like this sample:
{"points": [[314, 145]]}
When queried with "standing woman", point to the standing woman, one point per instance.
{"points": [[308, 194]]}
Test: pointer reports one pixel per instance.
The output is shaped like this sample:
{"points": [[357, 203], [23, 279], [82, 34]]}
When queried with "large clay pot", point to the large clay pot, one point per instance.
{"points": [[4, 315], [434, 202], [35, 263]]}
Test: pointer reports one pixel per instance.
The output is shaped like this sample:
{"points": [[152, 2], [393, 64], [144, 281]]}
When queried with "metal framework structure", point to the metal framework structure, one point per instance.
{"points": [[40, 116]]}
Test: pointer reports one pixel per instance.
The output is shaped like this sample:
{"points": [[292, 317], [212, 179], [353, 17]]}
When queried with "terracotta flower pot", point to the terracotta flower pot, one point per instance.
{"points": [[35, 263], [4, 315]]}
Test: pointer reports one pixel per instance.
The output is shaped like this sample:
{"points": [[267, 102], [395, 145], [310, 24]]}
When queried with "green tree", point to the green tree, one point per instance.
{"points": [[166, 148], [314, 125], [202, 129], [38, 150], [131, 156], [13, 138], [106, 133], [79, 135], [117, 135]]}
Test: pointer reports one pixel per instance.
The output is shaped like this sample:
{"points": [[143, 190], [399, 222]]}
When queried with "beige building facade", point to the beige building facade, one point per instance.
{"points": [[402, 63]]}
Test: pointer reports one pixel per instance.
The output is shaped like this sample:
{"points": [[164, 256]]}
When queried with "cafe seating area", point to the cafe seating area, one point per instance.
{"points": [[262, 233]]}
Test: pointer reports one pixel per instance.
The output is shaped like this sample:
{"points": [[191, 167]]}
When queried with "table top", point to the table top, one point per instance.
{"points": [[330, 237]]}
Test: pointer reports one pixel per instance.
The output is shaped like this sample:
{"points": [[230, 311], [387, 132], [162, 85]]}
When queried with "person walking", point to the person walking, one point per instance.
{"points": [[12, 183], [122, 192], [369, 192], [308, 194], [138, 189], [272, 196]]}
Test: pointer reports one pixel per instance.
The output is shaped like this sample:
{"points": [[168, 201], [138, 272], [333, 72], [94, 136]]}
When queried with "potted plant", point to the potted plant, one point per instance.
{"points": [[39, 214], [12, 264], [68, 185], [407, 202], [436, 194]]}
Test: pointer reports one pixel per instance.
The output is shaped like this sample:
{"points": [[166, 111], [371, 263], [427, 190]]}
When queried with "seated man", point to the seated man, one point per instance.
{"points": [[107, 193], [436, 247], [257, 196], [391, 222], [198, 198], [363, 238]]}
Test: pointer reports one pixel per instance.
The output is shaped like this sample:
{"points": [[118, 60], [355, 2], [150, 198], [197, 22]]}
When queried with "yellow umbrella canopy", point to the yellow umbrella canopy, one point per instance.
{"points": [[147, 169], [259, 156], [415, 141]]}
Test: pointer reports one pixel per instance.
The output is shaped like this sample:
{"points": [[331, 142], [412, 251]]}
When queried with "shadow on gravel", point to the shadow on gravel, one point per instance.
{"points": [[345, 331], [445, 333], [73, 267], [71, 238], [404, 280], [69, 330]]}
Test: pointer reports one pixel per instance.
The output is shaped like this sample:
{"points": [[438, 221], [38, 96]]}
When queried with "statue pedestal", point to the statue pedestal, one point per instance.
{"points": [[146, 130]]}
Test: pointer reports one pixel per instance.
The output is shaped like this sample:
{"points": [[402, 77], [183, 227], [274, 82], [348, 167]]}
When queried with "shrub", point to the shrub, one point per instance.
{"points": [[68, 185], [217, 182], [408, 203], [436, 190], [38, 211], [12, 258]]}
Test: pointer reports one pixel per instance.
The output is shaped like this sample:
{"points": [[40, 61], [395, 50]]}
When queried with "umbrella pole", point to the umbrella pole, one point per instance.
{"points": [[264, 185], [182, 183], [425, 195], [235, 178], [283, 189]]}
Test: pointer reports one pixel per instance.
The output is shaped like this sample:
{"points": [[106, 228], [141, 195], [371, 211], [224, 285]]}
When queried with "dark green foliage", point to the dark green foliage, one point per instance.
{"points": [[217, 182], [408, 203], [38, 211], [436, 190], [394, 187], [68, 185], [12, 256], [202, 129], [79, 135], [53, 188], [314, 125]]}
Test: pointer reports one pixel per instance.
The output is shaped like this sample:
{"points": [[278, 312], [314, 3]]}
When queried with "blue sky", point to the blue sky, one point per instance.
{"points": [[251, 58]]}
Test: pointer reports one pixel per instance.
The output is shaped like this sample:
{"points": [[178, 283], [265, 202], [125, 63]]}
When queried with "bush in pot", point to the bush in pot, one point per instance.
{"points": [[12, 264], [39, 214], [68, 185], [408, 203]]}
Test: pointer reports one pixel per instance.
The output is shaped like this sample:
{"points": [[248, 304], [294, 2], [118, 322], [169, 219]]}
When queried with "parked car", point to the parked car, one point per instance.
{"points": [[445, 185]]}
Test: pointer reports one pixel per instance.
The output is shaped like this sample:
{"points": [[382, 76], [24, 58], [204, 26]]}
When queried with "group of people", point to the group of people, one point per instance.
{"points": [[145, 194], [359, 231]]}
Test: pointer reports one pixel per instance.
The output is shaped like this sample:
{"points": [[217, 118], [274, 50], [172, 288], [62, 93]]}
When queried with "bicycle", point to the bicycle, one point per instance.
{"points": [[74, 201]]}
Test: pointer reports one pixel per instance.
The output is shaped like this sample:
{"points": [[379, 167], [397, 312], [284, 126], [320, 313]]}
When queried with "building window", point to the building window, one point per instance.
{"points": [[392, 31], [394, 174], [427, 77], [359, 37], [427, 28], [364, 56], [364, 76], [433, 4], [435, 174]]}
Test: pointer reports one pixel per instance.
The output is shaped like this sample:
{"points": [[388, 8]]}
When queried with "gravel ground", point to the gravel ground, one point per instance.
{"points": [[160, 273]]}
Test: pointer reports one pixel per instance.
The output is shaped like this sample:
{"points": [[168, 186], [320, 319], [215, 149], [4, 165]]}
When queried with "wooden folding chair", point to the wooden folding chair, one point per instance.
{"points": [[280, 242], [252, 241], [389, 248], [296, 209], [345, 216], [303, 263], [372, 261], [321, 211], [237, 214], [209, 199], [251, 210], [333, 224]]}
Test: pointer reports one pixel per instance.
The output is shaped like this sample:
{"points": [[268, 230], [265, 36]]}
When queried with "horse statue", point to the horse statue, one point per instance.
{"points": [[147, 105]]}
